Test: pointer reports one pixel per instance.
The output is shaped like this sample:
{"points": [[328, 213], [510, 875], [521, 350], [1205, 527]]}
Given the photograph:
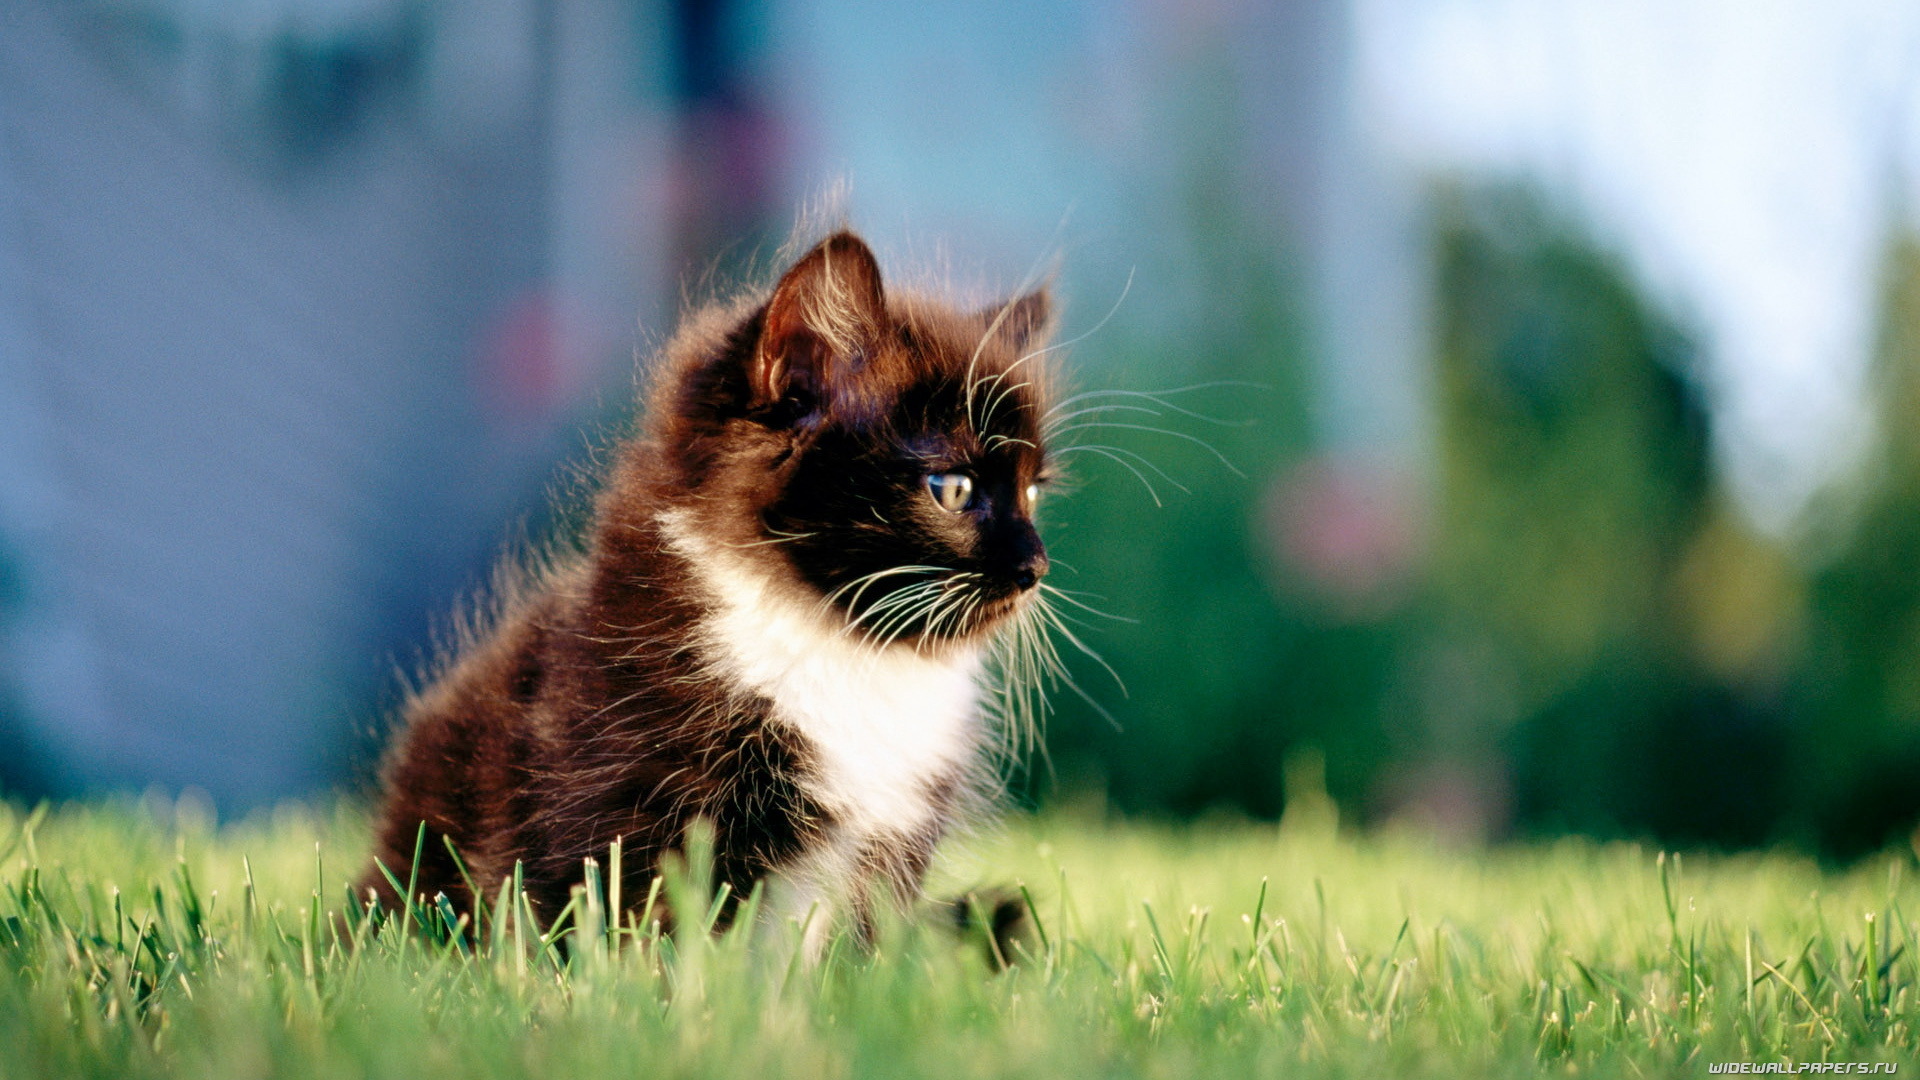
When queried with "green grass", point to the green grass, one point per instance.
{"points": [[139, 940]]}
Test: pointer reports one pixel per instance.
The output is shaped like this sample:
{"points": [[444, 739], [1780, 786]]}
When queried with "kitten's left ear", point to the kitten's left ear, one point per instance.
{"points": [[1022, 320], [823, 320]]}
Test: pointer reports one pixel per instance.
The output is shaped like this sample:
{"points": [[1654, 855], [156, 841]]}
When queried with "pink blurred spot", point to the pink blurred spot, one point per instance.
{"points": [[1346, 534], [1461, 802], [728, 168], [525, 375]]}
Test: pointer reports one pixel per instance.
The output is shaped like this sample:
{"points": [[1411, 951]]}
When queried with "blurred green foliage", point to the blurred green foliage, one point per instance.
{"points": [[1574, 485], [1857, 747], [1591, 637], [1221, 681], [23, 762]]}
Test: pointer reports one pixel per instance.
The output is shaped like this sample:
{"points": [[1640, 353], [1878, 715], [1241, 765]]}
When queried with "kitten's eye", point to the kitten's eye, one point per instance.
{"points": [[1033, 494], [952, 490]]}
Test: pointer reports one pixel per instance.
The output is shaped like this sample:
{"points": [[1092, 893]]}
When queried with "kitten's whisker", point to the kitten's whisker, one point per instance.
{"points": [[999, 379], [1026, 664], [973, 362], [993, 441], [1046, 655], [883, 609], [950, 604], [1194, 439], [1027, 281], [965, 595], [778, 538], [1159, 397], [1105, 713], [1104, 319], [878, 634], [1034, 673], [860, 584], [1116, 453], [943, 622], [981, 385], [1054, 420], [871, 623], [933, 620], [1000, 395], [1044, 661], [900, 591], [1132, 454], [875, 619], [998, 376], [901, 621], [1053, 618], [899, 610], [972, 386], [1088, 608], [1043, 669], [974, 603], [904, 599], [1085, 624]]}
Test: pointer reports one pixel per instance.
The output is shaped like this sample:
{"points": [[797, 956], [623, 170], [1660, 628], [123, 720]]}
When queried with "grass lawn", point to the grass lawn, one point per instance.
{"points": [[138, 940]]}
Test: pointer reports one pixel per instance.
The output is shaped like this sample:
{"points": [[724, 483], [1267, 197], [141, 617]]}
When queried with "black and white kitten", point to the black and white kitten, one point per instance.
{"points": [[781, 622]]}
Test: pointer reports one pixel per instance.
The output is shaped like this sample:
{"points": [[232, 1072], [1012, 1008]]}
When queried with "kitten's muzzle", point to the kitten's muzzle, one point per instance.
{"points": [[1028, 574], [1030, 562], [1015, 556]]}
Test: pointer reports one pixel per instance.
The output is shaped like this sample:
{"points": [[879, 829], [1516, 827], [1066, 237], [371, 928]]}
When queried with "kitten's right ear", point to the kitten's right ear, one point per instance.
{"points": [[820, 326], [1022, 320]]}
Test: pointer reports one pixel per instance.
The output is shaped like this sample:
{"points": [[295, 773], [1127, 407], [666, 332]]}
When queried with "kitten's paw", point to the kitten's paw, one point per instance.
{"points": [[997, 918]]}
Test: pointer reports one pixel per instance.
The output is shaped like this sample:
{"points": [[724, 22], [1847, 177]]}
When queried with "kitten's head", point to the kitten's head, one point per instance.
{"points": [[878, 454]]}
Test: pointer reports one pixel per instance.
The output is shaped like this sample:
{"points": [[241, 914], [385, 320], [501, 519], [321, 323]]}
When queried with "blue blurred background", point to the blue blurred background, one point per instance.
{"points": [[1569, 355]]}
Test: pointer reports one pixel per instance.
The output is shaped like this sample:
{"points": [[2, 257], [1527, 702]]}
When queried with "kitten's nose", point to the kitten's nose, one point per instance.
{"points": [[1030, 572], [1020, 555]]}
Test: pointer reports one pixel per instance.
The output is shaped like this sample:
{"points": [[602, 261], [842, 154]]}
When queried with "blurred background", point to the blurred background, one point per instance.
{"points": [[1566, 356]]}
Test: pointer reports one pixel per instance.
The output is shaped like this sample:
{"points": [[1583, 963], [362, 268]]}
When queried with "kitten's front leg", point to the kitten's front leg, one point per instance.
{"points": [[894, 871]]}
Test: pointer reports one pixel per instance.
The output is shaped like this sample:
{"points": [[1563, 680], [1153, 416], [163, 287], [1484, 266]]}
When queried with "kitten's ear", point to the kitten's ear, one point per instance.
{"points": [[1021, 320], [824, 316]]}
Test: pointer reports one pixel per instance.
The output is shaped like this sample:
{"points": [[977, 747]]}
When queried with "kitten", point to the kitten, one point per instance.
{"points": [[780, 623]]}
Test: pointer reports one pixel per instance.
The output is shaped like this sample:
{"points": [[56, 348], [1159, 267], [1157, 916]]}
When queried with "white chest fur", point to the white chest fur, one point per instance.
{"points": [[884, 725]]}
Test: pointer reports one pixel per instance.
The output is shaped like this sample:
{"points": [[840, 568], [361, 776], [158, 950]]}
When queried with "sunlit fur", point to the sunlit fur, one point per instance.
{"points": [[773, 625]]}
